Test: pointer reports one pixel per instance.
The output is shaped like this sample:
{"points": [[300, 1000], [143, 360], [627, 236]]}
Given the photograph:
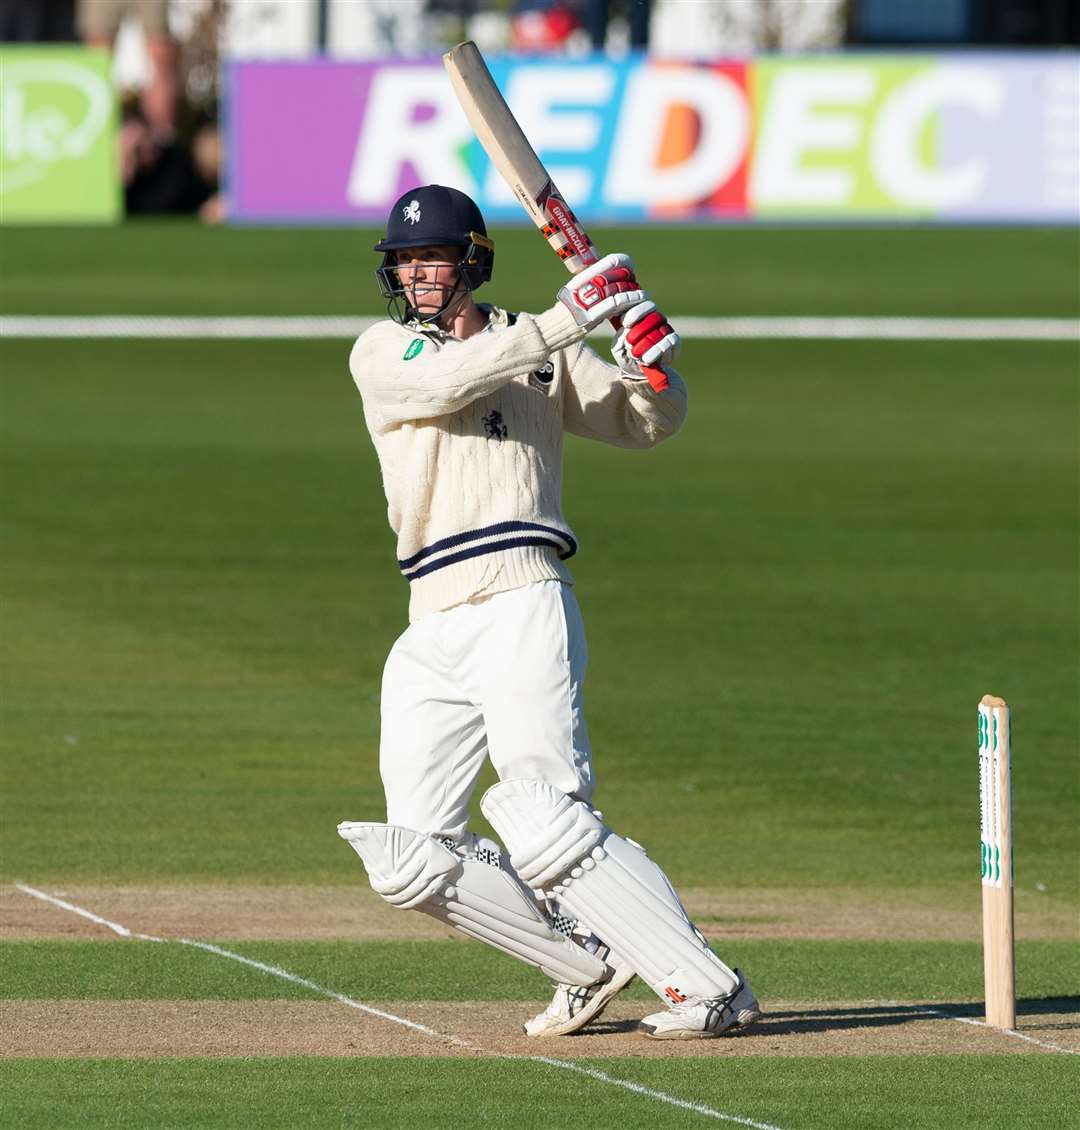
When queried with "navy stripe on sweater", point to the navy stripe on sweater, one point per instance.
{"points": [[565, 544], [479, 551], [557, 542]]}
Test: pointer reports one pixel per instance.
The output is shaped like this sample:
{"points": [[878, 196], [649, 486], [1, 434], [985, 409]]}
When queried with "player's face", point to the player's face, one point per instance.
{"points": [[428, 275]]}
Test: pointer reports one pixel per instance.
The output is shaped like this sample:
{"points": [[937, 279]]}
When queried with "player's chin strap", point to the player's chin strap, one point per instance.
{"points": [[469, 890], [559, 847], [399, 310]]}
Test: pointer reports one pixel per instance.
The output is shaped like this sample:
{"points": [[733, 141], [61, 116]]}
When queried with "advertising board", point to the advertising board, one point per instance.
{"points": [[57, 137], [946, 137]]}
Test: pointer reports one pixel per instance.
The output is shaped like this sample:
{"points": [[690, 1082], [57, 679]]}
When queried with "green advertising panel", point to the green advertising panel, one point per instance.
{"points": [[57, 137], [833, 135]]}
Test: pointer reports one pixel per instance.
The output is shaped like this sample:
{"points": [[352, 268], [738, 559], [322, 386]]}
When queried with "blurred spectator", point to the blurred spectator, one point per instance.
{"points": [[969, 22], [207, 156], [542, 25], [447, 21], [163, 177], [636, 13], [687, 29], [100, 20], [37, 21], [198, 28]]}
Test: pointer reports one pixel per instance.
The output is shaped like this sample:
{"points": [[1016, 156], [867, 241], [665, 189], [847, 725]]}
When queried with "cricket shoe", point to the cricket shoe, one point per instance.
{"points": [[573, 1006], [698, 1018]]}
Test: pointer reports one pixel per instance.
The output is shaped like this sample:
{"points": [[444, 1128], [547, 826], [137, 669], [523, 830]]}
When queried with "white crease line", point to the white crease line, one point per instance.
{"points": [[974, 1022], [698, 1108], [277, 971], [116, 928], [350, 1002], [1004, 1031], [690, 327]]}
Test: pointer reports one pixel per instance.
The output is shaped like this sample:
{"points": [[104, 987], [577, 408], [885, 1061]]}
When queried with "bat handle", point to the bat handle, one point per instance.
{"points": [[656, 377]]}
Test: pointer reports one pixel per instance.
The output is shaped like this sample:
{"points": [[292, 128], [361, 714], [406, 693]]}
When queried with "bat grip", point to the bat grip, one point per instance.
{"points": [[656, 377]]}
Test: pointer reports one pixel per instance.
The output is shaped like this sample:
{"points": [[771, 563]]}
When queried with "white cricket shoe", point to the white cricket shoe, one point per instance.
{"points": [[698, 1018], [573, 1006]]}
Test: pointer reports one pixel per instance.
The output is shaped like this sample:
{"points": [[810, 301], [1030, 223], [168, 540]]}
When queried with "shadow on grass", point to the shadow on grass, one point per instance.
{"points": [[833, 1018]]}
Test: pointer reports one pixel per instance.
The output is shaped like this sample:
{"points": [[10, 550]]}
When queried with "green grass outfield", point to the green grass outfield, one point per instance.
{"points": [[793, 609], [792, 969], [158, 267], [891, 1093]]}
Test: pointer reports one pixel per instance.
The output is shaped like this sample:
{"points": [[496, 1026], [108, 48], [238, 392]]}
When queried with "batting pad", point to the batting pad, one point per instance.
{"points": [[558, 846], [416, 872]]}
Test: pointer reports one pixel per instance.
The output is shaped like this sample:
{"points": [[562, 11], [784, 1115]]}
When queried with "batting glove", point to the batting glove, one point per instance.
{"points": [[605, 290], [646, 339]]}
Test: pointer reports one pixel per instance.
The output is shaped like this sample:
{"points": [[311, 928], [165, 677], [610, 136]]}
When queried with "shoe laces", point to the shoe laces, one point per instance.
{"points": [[711, 1004]]}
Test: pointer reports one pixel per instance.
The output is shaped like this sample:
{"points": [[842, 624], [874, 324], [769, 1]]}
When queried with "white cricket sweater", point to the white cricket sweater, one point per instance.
{"points": [[469, 438]]}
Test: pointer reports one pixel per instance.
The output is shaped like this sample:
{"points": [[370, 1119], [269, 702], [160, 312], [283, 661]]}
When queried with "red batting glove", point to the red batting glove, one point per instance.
{"points": [[647, 339], [605, 290]]}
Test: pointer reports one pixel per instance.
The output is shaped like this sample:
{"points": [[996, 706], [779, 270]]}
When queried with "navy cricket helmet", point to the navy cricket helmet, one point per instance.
{"points": [[434, 214]]}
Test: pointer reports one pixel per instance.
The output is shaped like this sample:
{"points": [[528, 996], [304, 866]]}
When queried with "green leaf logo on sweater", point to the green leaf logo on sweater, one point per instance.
{"points": [[415, 346]]}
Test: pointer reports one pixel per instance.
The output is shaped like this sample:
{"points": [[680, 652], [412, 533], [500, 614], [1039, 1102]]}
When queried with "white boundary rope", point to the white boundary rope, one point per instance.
{"points": [[691, 328], [350, 1002]]}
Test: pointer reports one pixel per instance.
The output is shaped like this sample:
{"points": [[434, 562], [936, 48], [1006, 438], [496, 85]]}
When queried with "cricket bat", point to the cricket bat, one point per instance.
{"points": [[506, 144]]}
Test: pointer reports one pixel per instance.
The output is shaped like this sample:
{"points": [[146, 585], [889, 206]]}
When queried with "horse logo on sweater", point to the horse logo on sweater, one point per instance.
{"points": [[494, 426]]}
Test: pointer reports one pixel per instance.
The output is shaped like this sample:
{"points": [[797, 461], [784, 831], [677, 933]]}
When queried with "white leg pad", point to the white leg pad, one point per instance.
{"points": [[558, 846], [416, 872]]}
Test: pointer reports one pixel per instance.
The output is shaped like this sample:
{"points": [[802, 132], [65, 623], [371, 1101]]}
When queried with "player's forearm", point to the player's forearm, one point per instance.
{"points": [[603, 404], [438, 380], [656, 416]]}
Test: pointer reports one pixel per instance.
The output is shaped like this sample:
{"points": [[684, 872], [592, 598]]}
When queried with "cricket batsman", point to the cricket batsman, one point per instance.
{"points": [[467, 404]]}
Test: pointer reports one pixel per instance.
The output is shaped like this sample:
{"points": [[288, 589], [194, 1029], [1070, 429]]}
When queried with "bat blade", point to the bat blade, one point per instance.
{"points": [[505, 143]]}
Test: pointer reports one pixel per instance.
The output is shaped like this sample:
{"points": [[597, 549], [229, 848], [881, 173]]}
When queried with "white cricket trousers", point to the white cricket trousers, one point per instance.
{"points": [[500, 678]]}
